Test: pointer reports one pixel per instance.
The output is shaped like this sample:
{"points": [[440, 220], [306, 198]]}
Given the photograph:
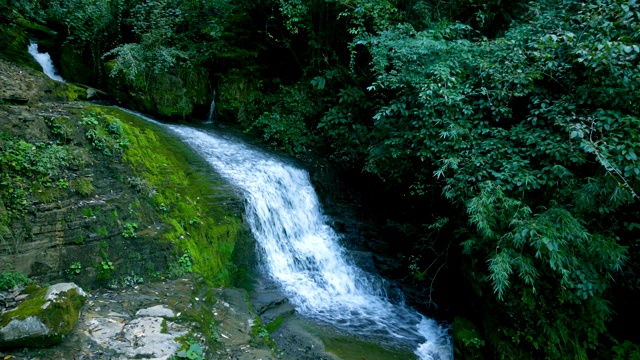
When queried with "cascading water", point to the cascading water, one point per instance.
{"points": [[302, 254], [212, 108], [45, 61]]}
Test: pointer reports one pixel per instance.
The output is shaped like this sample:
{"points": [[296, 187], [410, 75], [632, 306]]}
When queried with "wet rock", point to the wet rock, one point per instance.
{"points": [[267, 300], [271, 304], [44, 319], [363, 260]]}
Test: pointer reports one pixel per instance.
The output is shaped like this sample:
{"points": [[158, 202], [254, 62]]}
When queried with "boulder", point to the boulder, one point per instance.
{"points": [[44, 319]]}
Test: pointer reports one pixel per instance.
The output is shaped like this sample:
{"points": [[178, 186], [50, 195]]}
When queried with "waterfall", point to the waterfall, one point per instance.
{"points": [[301, 251], [45, 61], [212, 109]]}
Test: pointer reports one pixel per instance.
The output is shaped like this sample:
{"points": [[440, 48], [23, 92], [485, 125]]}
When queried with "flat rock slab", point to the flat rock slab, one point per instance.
{"points": [[158, 311], [143, 337], [266, 300]]}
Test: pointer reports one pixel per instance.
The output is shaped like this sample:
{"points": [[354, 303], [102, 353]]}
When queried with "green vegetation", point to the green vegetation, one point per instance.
{"points": [[510, 127], [30, 169], [9, 279], [104, 133], [204, 231], [104, 269], [75, 268], [183, 265], [128, 281], [275, 324], [83, 186], [194, 352], [129, 229]]}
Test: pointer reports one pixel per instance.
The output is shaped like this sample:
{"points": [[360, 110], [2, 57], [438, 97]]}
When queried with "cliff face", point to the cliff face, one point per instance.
{"points": [[93, 195], [82, 197]]}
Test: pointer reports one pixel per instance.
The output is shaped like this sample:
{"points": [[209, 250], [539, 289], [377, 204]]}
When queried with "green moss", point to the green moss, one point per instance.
{"points": [[46, 194], [196, 224], [275, 324], [260, 334], [83, 186], [33, 27], [74, 66], [14, 43], [68, 92], [80, 157], [31, 289]]}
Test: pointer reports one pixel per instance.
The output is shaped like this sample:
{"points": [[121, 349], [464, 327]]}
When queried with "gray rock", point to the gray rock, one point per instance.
{"points": [[54, 291], [158, 311], [19, 329]]}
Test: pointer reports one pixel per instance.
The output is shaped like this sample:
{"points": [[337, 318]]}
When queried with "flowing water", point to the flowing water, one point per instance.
{"points": [[301, 252], [212, 108], [45, 61]]}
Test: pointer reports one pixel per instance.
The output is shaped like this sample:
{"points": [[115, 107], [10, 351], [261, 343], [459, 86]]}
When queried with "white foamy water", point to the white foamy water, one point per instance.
{"points": [[301, 251], [45, 61]]}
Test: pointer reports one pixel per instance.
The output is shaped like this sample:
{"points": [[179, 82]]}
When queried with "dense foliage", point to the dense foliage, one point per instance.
{"points": [[523, 115]]}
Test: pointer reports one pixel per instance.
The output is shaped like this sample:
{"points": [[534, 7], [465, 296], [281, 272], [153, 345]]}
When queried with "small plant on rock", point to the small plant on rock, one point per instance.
{"points": [[75, 268], [104, 269], [193, 353], [10, 279], [185, 262], [183, 265], [129, 230]]}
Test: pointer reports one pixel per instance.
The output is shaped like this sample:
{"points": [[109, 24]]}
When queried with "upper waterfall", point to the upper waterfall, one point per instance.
{"points": [[45, 61], [301, 251]]}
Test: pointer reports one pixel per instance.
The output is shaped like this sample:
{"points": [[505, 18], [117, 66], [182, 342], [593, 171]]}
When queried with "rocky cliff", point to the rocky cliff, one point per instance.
{"points": [[93, 194], [96, 196]]}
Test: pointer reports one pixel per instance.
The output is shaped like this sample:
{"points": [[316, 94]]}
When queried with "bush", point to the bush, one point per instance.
{"points": [[10, 279]]}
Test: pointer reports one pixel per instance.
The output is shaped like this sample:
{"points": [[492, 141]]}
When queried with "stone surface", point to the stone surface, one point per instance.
{"points": [[157, 311], [16, 330], [155, 320], [66, 228], [143, 337], [56, 290]]}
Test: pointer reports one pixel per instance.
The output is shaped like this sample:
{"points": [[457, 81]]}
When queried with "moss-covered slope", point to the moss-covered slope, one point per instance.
{"points": [[97, 196]]}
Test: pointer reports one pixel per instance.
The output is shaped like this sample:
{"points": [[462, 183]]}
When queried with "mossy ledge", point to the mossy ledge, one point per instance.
{"points": [[196, 208], [113, 198]]}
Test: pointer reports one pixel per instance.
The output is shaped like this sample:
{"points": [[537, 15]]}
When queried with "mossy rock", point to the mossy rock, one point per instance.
{"points": [[175, 94], [44, 319], [73, 66], [35, 29], [237, 90], [14, 42]]}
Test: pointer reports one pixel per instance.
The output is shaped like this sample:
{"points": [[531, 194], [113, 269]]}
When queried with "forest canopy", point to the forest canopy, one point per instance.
{"points": [[523, 117]]}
